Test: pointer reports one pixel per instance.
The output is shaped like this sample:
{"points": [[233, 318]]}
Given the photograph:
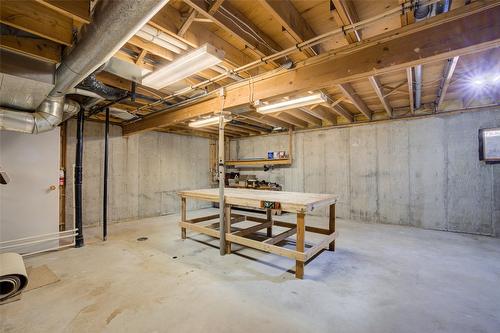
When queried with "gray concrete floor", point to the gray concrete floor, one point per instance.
{"points": [[382, 278]]}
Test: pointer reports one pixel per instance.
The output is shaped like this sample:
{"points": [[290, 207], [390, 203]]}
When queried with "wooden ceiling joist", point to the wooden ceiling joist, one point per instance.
{"points": [[344, 14], [290, 119], [349, 92], [37, 19], [320, 112], [377, 87], [37, 48], [465, 30], [152, 48], [78, 10], [169, 20], [187, 23], [266, 119], [305, 116], [246, 31], [338, 109], [291, 20]]}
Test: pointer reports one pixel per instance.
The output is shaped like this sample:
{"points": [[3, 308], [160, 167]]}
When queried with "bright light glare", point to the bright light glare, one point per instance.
{"points": [[478, 82]]}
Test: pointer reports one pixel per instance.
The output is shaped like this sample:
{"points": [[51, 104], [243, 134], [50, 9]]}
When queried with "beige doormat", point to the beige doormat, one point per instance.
{"points": [[40, 276]]}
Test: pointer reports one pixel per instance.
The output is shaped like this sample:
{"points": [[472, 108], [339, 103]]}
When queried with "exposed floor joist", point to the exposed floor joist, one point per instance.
{"points": [[377, 87], [291, 20], [476, 24]]}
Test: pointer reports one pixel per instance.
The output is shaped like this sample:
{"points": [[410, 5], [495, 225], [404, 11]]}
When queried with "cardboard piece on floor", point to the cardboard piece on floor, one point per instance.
{"points": [[39, 277]]}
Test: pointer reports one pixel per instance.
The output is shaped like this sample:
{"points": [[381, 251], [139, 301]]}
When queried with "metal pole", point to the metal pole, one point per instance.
{"points": [[78, 178], [105, 190], [222, 177]]}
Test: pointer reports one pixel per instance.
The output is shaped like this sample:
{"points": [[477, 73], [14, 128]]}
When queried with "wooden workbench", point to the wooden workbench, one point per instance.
{"points": [[294, 202]]}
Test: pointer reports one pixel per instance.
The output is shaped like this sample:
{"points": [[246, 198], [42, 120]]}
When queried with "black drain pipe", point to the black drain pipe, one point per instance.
{"points": [[78, 178], [105, 190]]}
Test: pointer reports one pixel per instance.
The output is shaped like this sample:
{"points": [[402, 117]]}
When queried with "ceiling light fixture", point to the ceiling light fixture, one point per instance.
{"points": [[292, 103], [193, 62], [214, 120]]}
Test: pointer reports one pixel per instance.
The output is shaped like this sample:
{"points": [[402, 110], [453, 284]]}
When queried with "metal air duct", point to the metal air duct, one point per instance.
{"points": [[113, 24]]}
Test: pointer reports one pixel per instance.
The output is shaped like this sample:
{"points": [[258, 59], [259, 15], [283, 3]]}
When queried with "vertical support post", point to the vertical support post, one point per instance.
{"points": [[222, 176], [300, 244], [105, 189], [78, 179], [290, 143], [228, 227], [269, 217], [183, 216], [331, 226]]}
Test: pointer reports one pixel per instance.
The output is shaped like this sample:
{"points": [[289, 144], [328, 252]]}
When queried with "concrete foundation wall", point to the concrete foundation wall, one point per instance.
{"points": [[422, 172], [145, 172]]}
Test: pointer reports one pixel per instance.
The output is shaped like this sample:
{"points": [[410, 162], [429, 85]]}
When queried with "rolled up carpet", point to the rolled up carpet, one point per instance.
{"points": [[13, 277]]}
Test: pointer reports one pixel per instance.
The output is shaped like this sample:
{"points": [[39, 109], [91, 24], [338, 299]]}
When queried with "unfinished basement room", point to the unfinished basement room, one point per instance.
{"points": [[247, 166]]}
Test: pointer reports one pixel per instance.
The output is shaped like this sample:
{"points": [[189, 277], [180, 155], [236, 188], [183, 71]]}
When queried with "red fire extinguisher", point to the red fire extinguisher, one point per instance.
{"points": [[61, 177]]}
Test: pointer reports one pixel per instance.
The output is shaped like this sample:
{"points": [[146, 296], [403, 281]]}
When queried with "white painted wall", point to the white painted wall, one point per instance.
{"points": [[27, 206]]}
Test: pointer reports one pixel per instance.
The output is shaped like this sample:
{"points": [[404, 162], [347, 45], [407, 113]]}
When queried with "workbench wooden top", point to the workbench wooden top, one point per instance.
{"points": [[290, 201]]}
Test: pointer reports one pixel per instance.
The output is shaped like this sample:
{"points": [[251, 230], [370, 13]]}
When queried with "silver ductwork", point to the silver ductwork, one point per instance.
{"points": [[48, 115], [421, 13], [113, 24]]}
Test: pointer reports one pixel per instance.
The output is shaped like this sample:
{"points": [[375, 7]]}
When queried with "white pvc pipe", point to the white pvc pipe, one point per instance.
{"points": [[37, 236], [158, 41], [36, 242], [174, 41]]}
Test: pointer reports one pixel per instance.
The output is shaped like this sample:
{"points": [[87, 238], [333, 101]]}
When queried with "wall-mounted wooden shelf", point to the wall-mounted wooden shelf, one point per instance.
{"points": [[281, 161]]}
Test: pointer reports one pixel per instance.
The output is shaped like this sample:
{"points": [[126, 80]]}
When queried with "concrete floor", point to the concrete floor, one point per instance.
{"points": [[382, 278]]}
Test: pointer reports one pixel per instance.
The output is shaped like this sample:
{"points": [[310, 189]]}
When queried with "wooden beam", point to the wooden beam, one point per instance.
{"points": [[122, 55], [169, 20], [377, 87], [226, 18], [409, 78], [37, 19], [140, 59], [78, 10], [187, 23], [450, 68], [258, 123], [173, 117], [305, 116], [215, 6], [344, 14], [337, 108], [321, 113], [152, 48], [476, 25], [266, 119], [292, 21], [37, 48], [290, 119], [349, 92]]}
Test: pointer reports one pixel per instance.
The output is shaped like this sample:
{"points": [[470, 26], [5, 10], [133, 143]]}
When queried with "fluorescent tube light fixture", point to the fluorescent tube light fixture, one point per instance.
{"points": [[208, 121], [193, 62], [292, 103]]}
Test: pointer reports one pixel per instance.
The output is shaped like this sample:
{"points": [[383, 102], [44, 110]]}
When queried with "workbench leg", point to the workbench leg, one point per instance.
{"points": [[269, 217], [331, 226], [227, 222], [300, 244], [183, 217]]}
